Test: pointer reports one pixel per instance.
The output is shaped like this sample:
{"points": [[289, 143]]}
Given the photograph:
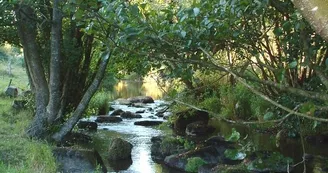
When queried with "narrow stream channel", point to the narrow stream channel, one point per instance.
{"points": [[140, 137]]}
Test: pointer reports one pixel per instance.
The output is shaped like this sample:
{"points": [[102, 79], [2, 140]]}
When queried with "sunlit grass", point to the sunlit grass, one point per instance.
{"points": [[18, 153]]}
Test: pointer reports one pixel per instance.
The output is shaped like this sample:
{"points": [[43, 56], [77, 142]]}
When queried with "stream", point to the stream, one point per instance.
{"points": [[140, 137]]}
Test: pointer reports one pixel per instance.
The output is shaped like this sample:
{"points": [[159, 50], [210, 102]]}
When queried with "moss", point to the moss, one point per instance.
{"points": [[194, 163]]}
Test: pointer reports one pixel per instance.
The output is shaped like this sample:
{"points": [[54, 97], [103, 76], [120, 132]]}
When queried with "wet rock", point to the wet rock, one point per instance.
{"points": [[148, 123], [140, 111], [73, 160], [139, 105], [130, 115], [151, 117], [108, 119], [19, 104], [116, 112], [122, 101], [199, 128], [119, 165], [210, 154], [159, 114], [120, 149], [11, 91], [87, 125], [188, 116], [163, 147], [141, 99]]}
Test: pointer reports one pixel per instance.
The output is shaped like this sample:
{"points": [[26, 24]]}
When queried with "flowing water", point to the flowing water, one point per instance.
{"points": [[140, 136]]}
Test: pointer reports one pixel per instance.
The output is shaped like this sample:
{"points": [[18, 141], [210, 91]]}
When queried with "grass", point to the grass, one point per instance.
{"points": [[18, 153]]}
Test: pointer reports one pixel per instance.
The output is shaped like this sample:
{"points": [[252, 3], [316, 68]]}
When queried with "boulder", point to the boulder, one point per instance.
{"points": [[138, 105], [130, 115], [122, 101], [11, 91], [74, 160], [108, 119], [148, 123], [141, 99], [210, 154], [87, 125], [151, 117], [140, 111], [199, 128], [116, 112], [188, 116], [119, 149], [162, 147]]}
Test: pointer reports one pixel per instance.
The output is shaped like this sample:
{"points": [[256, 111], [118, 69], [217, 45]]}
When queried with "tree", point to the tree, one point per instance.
{"points": [[315, 12], [67, 48]]}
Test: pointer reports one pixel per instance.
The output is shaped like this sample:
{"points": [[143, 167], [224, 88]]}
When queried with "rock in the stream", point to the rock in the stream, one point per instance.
{"points": [[148, 123], [199, 129], [164, 146], [108, 119], [140, 111], [87, 125], [129, 114], [188, 116], [211, 155], [122, 101], [119, 149], [141, 99], [73, 160], [116, 112], [138, 105]]}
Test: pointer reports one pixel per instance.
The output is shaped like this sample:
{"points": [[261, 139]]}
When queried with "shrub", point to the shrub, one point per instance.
{"points": [[99, 104]]}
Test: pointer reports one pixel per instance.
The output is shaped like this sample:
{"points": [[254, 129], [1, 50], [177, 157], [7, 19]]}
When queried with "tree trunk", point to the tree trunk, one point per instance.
{"points": [[27, 31], [316, 13], [55, 64], [68, 126]]}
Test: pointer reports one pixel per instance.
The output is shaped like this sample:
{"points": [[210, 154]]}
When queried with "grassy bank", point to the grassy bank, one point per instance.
{"points": [[18, 153]]}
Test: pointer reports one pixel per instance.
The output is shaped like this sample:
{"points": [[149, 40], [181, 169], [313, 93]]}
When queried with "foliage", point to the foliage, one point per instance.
{"points": [[234, 154], [99, 104], [272, 162], [194, 163], [234, 137]]}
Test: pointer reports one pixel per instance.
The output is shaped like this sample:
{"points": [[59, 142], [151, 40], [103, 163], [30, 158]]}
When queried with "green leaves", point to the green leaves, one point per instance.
{"points": [[308, 108], [234, 154], [268, 116], [234, 137]]}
